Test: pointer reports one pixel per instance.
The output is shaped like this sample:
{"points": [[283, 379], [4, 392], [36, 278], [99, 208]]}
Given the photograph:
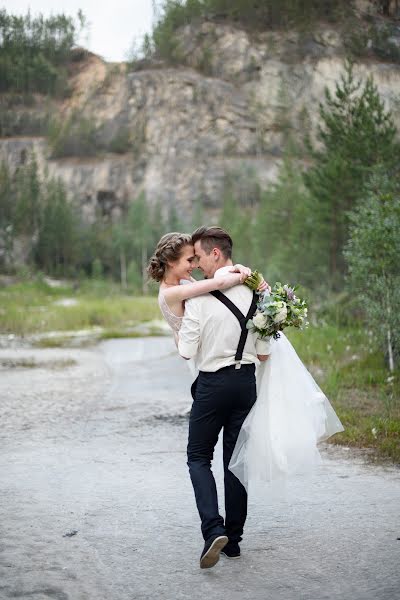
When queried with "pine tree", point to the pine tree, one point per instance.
{"points": [[283, 227], [372, 253], [57, 248], [27, 198], [6, 216], [139, 227], [356, 133], [238, 221]]}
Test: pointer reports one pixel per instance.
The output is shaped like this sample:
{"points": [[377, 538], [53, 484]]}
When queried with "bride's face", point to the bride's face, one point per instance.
{"points": [[184, 266]]}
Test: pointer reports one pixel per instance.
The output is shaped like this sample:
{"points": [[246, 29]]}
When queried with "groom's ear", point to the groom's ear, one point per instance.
{"points": [[216, 252]]}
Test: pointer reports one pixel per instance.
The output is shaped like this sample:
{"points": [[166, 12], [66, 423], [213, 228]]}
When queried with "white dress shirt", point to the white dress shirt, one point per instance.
{"points": [[211, 332]]}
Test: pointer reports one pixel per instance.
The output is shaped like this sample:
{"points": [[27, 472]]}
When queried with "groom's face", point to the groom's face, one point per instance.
{"points": [[205, 262]]}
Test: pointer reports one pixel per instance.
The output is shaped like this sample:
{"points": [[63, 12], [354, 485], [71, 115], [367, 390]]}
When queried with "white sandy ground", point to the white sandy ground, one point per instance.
{"points": [[99, 448]]}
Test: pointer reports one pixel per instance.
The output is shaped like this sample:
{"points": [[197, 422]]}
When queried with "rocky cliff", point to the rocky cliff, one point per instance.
{"points": [[226, 113]]}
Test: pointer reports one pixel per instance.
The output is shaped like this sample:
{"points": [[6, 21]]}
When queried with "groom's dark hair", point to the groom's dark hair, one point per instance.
{"points": [[214, 237]]}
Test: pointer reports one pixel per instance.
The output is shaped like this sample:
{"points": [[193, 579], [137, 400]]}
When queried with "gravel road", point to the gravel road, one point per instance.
{"points": [[96, 502]]}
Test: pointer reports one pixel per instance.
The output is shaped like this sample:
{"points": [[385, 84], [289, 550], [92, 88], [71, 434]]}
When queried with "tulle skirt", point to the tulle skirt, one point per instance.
{"points": [[291, 415]]}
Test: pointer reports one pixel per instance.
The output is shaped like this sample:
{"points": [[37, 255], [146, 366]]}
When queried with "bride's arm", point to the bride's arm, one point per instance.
{"points": [[179, 293], [237, 275]]}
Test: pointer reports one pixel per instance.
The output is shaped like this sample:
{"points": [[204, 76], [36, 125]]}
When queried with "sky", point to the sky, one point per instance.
{"points": [[114, 25]]}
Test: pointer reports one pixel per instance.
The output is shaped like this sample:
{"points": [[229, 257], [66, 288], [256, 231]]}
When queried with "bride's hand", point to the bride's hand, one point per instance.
{"points": [[244, 271], [264, 287]]}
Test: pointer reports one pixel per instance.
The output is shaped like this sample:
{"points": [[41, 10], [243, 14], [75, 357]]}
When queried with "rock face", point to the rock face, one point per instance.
{"points": [[226, 113]]}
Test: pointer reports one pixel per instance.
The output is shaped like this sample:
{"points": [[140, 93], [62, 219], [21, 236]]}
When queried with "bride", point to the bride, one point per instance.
{"points": [[280, 435]]}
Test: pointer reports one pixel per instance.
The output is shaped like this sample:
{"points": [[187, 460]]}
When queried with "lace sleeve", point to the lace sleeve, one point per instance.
{"points": [[173, 321]]}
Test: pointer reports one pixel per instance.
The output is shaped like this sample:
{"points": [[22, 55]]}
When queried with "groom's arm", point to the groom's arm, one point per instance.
{"points": [[189, 333]]}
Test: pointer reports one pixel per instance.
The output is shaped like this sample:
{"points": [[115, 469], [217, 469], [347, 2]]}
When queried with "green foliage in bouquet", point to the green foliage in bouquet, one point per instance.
{"points": [[277, 310]]}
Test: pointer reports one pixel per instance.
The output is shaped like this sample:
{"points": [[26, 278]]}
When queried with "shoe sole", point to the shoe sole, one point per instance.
{"points": [[211, 557]]}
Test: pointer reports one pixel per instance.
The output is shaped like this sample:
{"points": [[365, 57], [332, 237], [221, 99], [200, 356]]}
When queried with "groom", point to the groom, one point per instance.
{"points": [[224, 393]]}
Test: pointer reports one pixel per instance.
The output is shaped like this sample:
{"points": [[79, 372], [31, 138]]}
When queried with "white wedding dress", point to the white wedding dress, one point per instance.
{"points": [[175, 323], [291, 415], [279, 437]]}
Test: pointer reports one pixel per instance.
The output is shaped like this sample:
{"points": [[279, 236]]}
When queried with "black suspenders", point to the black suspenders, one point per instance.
{"points": [[242, 321], [240, 317]]}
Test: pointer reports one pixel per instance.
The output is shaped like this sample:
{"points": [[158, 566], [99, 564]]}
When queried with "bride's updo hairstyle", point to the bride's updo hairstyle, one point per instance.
{"points": [[169, 249]]}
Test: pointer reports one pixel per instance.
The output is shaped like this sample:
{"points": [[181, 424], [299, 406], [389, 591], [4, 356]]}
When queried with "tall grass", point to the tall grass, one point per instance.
{"points": [[30, 307], [350, 368]]}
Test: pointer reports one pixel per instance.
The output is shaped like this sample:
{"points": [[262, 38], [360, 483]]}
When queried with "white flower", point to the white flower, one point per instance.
{"points": [[281, 315], [374, 432], [259, 320]]}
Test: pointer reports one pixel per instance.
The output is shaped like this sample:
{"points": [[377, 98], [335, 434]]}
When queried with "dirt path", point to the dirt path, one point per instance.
{"points": [[97, 445]]}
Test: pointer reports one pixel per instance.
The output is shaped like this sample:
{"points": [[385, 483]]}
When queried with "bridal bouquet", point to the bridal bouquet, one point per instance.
{"points": [[276, 310]]}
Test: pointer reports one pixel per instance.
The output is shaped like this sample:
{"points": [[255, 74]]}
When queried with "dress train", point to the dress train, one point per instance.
{"points": [[291, 415]]}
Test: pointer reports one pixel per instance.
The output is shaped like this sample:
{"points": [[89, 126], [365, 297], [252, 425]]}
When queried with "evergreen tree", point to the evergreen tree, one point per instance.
{"points": [[100, 245], [238, 221], [121, 244], [6, 216], [57, 247], [372, 254], [356, 134], [139, 225], [35, 51], [134, 238], [197, 215], [174, 222], [27, 198], [283, 231]]}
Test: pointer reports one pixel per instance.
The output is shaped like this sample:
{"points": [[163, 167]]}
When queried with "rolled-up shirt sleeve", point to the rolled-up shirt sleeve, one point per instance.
{"points": [[263, 346], [189, 333]]}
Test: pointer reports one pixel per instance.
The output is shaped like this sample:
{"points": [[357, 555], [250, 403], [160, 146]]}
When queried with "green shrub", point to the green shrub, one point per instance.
{"points": [[121, 142], [375, 40], [22, 122], [75, 136]]}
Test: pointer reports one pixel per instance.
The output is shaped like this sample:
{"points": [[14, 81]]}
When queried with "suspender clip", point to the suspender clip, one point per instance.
{"points": [[238, 365]]}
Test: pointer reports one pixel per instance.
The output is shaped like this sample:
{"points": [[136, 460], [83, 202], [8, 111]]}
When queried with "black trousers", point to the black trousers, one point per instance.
{"points": [[221, 400]]}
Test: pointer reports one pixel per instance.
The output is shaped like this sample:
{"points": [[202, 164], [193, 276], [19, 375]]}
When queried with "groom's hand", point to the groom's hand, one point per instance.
{"points": [[262, 357]]}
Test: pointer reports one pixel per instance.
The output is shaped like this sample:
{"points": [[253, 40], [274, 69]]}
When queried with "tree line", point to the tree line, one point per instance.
{"points": [[35, 52], [363, 34], [37, 216]]}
